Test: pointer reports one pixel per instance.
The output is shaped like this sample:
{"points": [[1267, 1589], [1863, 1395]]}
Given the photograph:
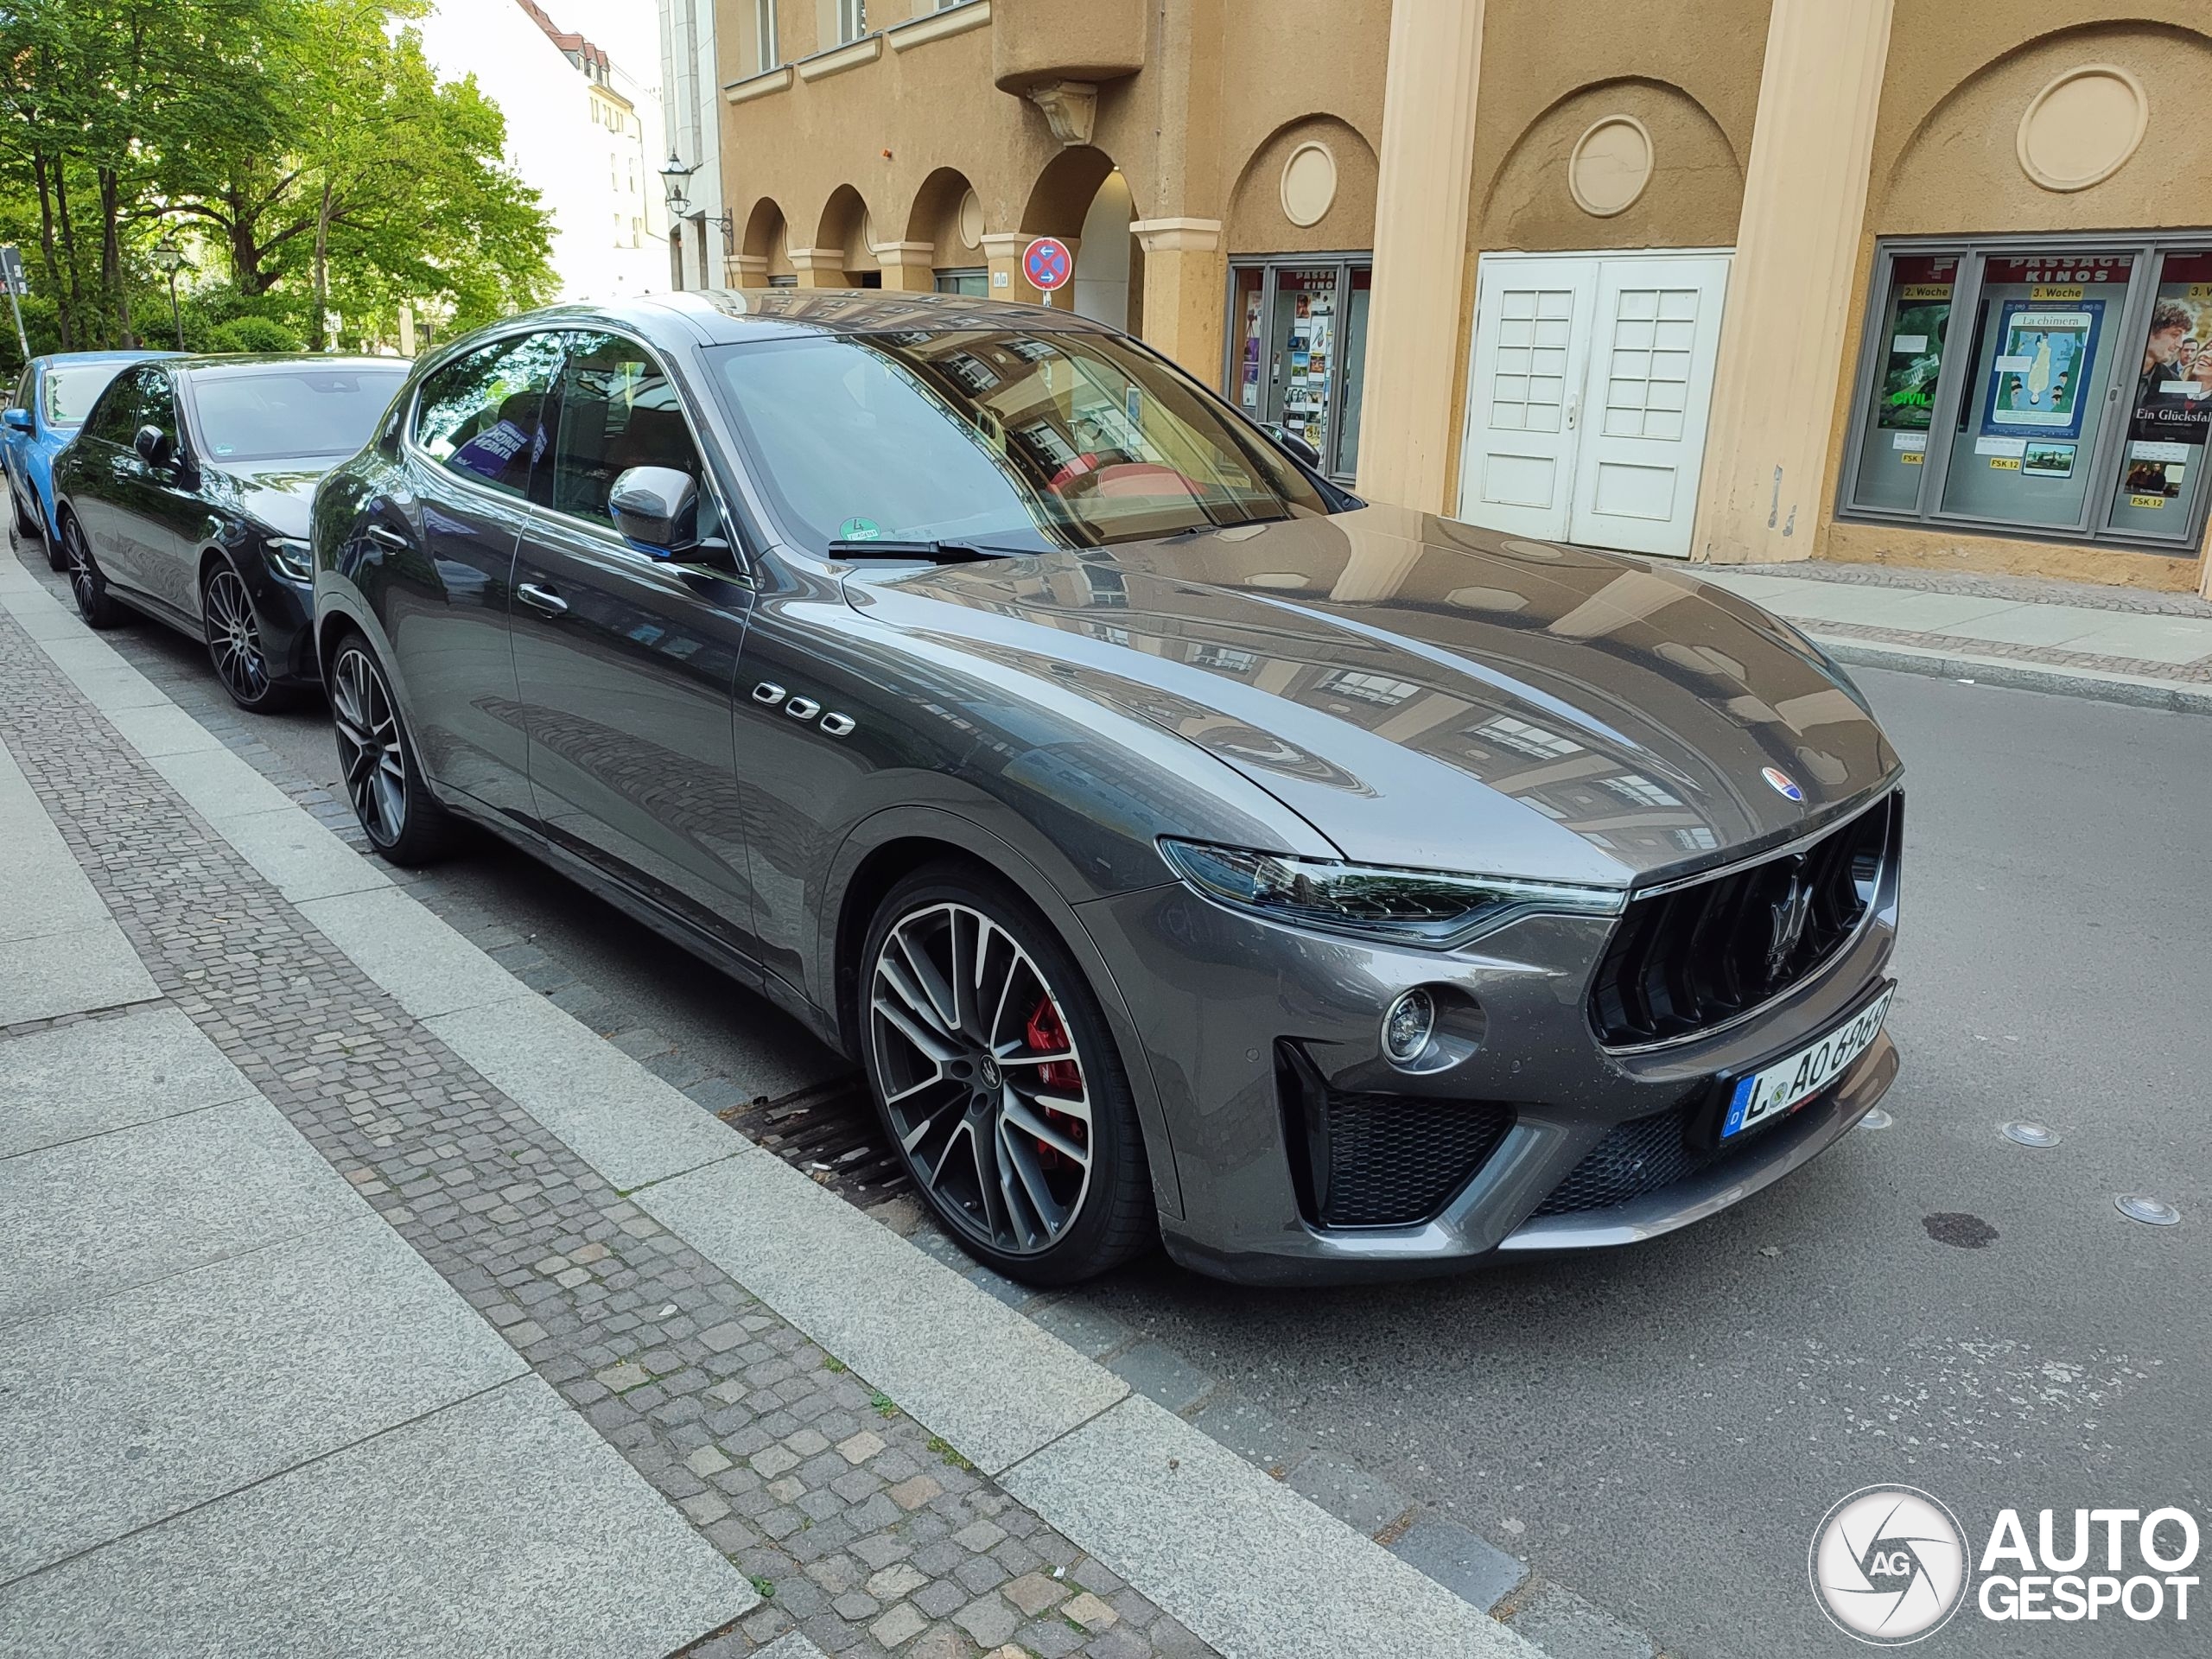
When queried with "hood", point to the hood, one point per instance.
{"points": [[279, 494], [1433, 696]]}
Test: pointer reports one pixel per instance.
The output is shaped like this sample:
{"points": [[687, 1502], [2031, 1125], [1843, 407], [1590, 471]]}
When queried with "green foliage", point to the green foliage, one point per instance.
{"points": [[305, 151], [250, 333], [947, 1453]]}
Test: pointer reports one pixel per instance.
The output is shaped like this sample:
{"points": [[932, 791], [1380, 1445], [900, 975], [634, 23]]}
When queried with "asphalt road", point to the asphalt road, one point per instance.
{"points": [[1659, 1430]]}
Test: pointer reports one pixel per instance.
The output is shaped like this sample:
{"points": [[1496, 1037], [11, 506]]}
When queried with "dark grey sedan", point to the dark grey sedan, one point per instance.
{"points": [[1185, 848]]}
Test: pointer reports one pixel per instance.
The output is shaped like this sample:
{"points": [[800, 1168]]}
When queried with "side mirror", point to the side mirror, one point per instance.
{"points": [[1297, 445], [17, 420], [657, 507], [154, 446]]}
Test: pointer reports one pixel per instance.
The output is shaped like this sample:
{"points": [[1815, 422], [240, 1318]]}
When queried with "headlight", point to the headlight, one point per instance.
{"points": [[1429, 908], [291, 559]]}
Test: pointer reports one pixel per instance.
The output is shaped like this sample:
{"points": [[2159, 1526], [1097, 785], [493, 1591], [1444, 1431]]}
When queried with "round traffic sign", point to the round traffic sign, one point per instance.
{"points": [[1047, 264]]}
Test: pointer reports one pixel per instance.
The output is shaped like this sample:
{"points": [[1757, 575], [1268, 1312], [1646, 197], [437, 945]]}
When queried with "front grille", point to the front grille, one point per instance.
{"points": [[1633, 1158], [1378, 1160], [1684, 960]]}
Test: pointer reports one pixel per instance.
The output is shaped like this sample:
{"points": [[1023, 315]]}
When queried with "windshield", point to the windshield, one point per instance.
{"points": [[282, 413], [73, 388], [1027, 442]]}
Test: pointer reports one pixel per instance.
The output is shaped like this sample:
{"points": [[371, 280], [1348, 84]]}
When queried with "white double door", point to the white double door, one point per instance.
{"points": [[1587, 395]]}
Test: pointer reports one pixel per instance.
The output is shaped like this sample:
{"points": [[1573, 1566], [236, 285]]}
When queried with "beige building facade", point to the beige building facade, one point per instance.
{"points": [[1733, 280]]}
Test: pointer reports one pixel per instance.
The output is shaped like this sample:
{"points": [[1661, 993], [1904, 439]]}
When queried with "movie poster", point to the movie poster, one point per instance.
{"points": [[2046, 356], [2173, 383], [1914, 359]]}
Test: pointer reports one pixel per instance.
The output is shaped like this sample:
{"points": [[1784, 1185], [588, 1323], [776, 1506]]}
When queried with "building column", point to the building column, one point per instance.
{"points": [[745, 269], [908, 267], [1407, 436], [819, 267], [1185, 291], [1765, 486]]}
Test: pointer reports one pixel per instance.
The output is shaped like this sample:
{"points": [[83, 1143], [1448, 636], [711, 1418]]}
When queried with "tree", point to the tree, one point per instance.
{"points": [[310, 139], [94, 92], [388, 183]]}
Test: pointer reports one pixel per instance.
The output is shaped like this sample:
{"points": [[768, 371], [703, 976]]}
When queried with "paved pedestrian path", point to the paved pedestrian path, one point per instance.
{"points": [[238, 1412], [360, 1301], [2124, 644]]}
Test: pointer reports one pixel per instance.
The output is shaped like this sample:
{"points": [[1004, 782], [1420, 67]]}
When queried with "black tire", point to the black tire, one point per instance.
{"points": [[86, 585], [233, 631], [383, 778], [971, 1118], [57, 556], [26, 524]]}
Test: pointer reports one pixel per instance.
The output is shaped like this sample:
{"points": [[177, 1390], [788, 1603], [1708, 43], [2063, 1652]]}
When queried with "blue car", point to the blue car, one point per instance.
{"points": [[50, 404]]}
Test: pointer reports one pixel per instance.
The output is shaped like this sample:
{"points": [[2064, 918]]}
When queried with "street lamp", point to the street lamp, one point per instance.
{"points": [[675, 177], [169, 259]]}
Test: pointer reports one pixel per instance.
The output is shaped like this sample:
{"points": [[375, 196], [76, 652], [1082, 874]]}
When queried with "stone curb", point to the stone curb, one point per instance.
{"points": [[2137, 691], [1325, 1580]]}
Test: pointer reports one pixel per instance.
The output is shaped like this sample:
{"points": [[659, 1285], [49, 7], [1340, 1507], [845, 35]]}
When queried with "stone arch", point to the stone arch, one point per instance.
{"points": [[937, 218], [846, 226], [1958, 168], [1063, 194], [1081, 193], [767, 239], [1259, 221], [1694, 199]]}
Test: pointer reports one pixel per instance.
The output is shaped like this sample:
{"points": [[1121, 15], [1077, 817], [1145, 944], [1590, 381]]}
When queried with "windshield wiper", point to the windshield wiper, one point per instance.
{"points": [[933, 552], [1213, 524]]}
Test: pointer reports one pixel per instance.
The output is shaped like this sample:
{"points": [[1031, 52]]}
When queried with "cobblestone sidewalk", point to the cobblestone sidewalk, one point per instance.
{"points": [[859, 1528]]}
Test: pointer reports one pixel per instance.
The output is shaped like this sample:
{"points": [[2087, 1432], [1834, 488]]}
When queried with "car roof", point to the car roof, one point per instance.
{"points": [[62, 359], [723, 315], [215, 365]]}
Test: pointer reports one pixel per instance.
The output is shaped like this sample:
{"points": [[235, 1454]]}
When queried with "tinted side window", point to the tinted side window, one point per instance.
{"points": [[618, 410], [157, 405], [484, 416], [121, 410]]}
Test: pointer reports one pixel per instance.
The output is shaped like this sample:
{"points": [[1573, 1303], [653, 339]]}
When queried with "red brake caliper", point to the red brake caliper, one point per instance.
{"points": [[1045, 1034]]}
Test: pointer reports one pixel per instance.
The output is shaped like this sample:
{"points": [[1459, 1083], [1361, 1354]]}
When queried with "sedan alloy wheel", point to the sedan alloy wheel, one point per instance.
{"points": [[86, 585], [981, 1079], [234, 640]]}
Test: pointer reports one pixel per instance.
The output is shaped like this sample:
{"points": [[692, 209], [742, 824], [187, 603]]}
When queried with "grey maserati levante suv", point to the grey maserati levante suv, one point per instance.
{"points": [[1185, 847]]}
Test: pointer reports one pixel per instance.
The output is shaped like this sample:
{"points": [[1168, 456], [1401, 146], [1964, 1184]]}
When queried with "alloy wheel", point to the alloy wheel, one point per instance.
{"points": [[234, 638], [981, 1079], [369, 750], [84, 582]]}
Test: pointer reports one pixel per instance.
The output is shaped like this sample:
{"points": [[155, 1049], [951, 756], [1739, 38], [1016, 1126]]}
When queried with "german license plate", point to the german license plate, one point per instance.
{"points": [[1777, 1090]]}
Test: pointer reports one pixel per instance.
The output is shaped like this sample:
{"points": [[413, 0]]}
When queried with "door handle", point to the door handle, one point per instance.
{"points": [[542, 599], [1573, 409], [386, 536]]}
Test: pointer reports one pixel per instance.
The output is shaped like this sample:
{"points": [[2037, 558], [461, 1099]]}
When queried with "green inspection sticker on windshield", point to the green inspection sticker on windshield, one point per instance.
{"points": [[859, 530]]}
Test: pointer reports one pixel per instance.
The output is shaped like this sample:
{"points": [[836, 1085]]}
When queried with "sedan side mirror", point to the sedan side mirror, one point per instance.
{"points": [[154, 445], [1297, 445], [657, 507], [17, 420]]}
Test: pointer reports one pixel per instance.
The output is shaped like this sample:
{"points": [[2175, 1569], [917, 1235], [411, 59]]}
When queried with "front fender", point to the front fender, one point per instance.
{"points": [[1045, 876]]}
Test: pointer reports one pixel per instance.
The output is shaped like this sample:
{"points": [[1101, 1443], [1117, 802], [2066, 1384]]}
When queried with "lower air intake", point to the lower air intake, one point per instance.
{"points": [[1382, 1160]]}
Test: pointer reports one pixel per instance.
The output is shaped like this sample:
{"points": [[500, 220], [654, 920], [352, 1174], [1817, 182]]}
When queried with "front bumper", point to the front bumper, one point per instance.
{"points": [[285, 611], [1221, 998]]}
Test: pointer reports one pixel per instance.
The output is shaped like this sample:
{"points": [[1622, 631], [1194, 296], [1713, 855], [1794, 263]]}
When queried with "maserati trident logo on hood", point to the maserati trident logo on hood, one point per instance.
{"points": [[1783, 782]]}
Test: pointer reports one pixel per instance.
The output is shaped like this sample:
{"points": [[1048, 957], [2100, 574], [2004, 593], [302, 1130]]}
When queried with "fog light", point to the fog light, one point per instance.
{"points": [[1407, 1026]]}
